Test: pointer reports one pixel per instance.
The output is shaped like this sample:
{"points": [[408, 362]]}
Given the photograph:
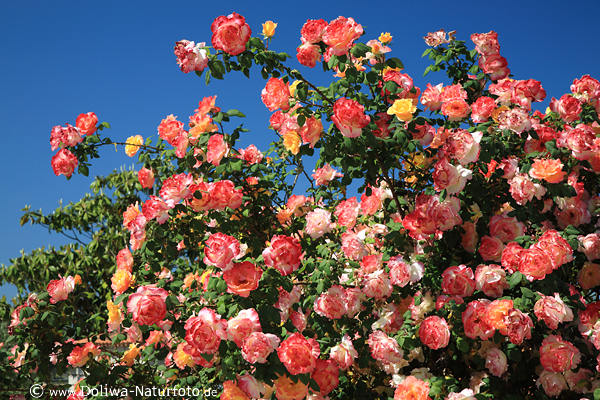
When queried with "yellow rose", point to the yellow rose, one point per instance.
{"points": [[385, 38], [133, 145], [292, 141], [269, 29], [403, 109]]}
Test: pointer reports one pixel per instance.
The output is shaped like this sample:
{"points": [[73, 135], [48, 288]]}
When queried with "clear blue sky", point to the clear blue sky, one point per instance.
{"points": [[63, 58]]}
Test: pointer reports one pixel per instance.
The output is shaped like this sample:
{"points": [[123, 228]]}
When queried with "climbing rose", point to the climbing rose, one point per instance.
{"points": [[349, 117], [147, 305], [434, 332], [230, 33], [64, 163], [298, 354]]}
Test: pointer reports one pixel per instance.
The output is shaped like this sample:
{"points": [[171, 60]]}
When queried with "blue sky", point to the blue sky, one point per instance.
{"points": [[116, 59]]}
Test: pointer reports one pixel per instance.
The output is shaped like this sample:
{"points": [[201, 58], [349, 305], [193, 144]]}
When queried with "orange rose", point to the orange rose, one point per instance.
{"points": [[121, 280], [496, 311], [548, 170], [286, 389]]}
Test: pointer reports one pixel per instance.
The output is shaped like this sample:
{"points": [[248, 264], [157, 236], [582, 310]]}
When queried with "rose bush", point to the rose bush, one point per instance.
{"points": [[443, 248]]}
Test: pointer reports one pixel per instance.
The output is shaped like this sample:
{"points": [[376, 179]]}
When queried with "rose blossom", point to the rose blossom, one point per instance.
{"points": [[434, 332], [331, 304], [191, 56], [242, 325], [258, 346], [458, 281], [568, 107], [147, 305], [86, 123], [491, 248], [482, 109], [491, 280], [276, 94], [552, 310], [308, 54], [344, 353], [284, 254], [340, 35], [558, 355], [325, 174], [230, 33], [242, 278], [318, 223], [496, 362], [204, 332], [64, 163], [326, 374], [146, 178], [553, 383], [412, 389], [349, 117], [298, 354], [384, 348], [221, 250]]}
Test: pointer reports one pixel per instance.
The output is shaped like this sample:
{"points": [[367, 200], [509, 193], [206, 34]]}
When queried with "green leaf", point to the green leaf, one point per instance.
{"points": [[235, 113]]}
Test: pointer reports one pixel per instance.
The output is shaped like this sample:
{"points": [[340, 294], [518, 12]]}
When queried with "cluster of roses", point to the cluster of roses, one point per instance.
{"points": [[338, 35], [508, 107], [64, 162], [277, 95]]}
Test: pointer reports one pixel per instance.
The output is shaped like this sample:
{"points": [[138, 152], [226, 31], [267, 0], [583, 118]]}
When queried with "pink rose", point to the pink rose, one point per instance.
{"points": [[242, 325], [221, 250], [384, 348], [491, 248], [349, 117], [558, 355], [276, 94], [458, 281], [346, 212], [326, 374], [204, 332], [318, 223], [230, 33], [434, 332], [191, 56], [495, 66], [486, 43], [284, 254], [344, 353], [65, 136], [312, 30], [217, 149], [482, 109], [340, 35], [590, 246], [86, 123], [299, 354], [432, 97], [147, 305], [258, 346], [552, 310], [568, 107], [474, 320], [496, 362], [308, 54], [325, 174], [146, 178], [64, 163], [491, 280], [552, 383], [331, 304], [506, 228]]}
